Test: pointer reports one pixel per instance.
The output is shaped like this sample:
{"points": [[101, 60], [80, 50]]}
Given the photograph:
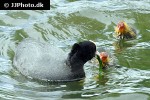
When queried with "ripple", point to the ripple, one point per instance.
{"points": [[128, 80], [71, 21]]}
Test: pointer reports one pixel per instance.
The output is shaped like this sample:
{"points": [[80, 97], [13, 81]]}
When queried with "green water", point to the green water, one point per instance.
{"points": [[71, 21]]}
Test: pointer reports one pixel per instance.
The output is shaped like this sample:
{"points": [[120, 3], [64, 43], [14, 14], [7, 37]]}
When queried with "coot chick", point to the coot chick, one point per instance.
{"points": [[123, 31], [47, 62]]}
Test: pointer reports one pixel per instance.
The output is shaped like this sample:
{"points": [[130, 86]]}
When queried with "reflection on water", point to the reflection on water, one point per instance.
{"points": [[121, 45], [71, 21]]}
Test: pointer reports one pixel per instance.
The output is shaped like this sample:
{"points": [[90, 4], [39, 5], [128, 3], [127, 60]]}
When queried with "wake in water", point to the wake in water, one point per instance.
{"points": [[127, 80]]}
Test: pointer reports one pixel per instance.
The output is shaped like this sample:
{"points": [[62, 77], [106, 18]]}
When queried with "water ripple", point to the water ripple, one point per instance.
{"points": [[71, 21]]}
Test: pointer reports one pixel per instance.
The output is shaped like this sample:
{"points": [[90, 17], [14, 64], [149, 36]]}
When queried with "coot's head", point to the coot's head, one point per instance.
{"points": [[87, 50], [83, 50], [80, 53]]}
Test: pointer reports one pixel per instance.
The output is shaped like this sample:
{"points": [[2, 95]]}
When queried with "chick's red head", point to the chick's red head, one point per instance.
{"points": [[104, 57], [121, 27]]}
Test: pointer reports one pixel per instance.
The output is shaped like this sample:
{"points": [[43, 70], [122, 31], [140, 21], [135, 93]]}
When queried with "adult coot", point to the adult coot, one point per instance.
{"points": [[47, 62]]}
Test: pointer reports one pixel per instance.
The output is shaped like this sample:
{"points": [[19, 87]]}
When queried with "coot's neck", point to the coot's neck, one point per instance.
{"points": [[76, 63]]}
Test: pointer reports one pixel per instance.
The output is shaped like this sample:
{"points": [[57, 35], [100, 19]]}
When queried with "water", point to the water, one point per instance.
{"points": [[71, 21]]}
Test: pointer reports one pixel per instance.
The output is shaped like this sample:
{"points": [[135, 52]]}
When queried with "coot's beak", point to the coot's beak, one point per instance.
{"points": [[97, 53]]}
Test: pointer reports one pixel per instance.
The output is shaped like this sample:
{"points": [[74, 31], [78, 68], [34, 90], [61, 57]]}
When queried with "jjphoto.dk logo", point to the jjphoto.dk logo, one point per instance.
{"points": [[25, 5], [14, 5]]}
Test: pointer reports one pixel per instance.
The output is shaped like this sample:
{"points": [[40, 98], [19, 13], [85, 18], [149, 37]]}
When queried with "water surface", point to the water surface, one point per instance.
{"points": [[71, 21]]}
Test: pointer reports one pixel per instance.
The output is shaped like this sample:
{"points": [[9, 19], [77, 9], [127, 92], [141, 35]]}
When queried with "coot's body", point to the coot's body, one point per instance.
{"points": [[46, 62]]}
